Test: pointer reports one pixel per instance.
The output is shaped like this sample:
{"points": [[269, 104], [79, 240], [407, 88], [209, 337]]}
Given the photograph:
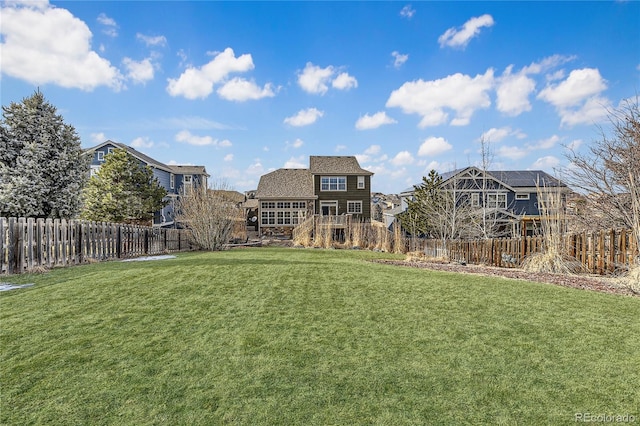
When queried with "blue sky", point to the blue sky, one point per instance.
{"points": [[244, 88]]}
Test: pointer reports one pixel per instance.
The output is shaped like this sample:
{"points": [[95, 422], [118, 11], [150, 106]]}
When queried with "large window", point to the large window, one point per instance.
{"points": [[333, 183], [497, 201], [354, 207], [285, 213]]}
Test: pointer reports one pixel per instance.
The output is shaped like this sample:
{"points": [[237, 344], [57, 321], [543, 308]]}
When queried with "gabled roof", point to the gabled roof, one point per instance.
{"points": [[526, 178], [336, 165], [177, 169], [286, 183], [188, 170]]}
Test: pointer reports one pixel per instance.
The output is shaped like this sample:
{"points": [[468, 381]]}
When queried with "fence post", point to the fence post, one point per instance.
{"points": [[12, 260]]}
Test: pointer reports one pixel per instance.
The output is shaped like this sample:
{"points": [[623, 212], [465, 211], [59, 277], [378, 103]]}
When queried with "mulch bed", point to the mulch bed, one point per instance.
{"points": [[584, 282]]}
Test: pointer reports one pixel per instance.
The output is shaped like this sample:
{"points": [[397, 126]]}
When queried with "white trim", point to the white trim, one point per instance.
{"points": [[172, 181], [337, 183], [522, 196], [100, 155], [354, 203], [329, 204], [361, 182]]}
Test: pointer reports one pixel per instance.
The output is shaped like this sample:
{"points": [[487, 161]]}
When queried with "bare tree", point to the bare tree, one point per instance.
{"points": [[608, 174], [210, 215]]}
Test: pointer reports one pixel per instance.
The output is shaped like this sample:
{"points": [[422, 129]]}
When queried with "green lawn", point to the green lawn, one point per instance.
{"points": [[285, 336]]}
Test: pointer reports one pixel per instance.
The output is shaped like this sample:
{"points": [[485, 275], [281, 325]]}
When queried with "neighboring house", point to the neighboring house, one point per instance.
{"points": [[331, 186], [514, 194], [176, 179]]}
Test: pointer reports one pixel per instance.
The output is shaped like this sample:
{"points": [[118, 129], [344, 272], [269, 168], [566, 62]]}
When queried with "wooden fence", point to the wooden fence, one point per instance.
{"points": [[603, 252], [27, 243]]}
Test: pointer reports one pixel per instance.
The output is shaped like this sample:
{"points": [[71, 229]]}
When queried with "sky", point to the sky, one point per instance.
{"points": [[245, 88]]}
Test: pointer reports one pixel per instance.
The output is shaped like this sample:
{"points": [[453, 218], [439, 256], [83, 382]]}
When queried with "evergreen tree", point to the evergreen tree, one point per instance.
{"points": [[42, 166], [123, 190], [417, 218]]}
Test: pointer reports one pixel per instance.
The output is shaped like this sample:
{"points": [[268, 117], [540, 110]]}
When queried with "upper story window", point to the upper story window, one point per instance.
{"points": [[360, 182], [333, 183], [109, 150], [475, 199], [172, 181], [187, 179], [522, 196], [100, 155], [498, 201]]}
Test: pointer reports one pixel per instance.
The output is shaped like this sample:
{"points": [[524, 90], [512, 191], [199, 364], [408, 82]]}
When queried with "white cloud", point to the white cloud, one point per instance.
{"points": [[429, 99], [402, 158], [399, 59], [496, 135], [512, 152], [550, 142], [196, 83], [295, 163], [142, 142], [98, 137], [434, 146], [460, 37], [139, 72], [295, 144], [374, 121], [228, 158], [407, 12], [547, 63], [255, 168], [546, 163], [344, 81], [304, 117], [575, 144], [340, 148], [240, 90], [513, 92], [580, 85], [373, 150], [111, 28], [577, 97], [185, 136], [314, 79], [152, 40], [44, 44]]}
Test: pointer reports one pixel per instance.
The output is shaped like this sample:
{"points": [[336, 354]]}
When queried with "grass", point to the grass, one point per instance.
{"points": [[284, 336]]}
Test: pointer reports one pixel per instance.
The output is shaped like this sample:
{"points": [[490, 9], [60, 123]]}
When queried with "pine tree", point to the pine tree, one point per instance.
{"points": [[42, 165], [123, 190], [416, 219]]}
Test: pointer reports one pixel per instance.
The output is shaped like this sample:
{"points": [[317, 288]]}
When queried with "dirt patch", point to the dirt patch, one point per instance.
{"points": [[584, 282]]}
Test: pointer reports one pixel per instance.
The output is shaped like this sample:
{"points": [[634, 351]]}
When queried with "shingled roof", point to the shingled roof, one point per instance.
{"points": [[526, 178], [286, 183], [188, 170], [336, 165]]}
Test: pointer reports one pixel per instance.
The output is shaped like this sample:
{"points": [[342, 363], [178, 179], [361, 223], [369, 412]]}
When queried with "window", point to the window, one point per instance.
{"points": [[268, 205], [109, 150], [333, 183], [268, 218], [283, 205], [497, 201], [354, 207], [187, 179], [522, 196], [172, 181], [100, 155], [299, 204], [475, 199], [360, 182]]}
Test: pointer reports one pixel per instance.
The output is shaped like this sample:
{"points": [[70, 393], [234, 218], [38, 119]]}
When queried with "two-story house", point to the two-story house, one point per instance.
{"points": [[512, 195], [331, 186], [175, 179]]}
